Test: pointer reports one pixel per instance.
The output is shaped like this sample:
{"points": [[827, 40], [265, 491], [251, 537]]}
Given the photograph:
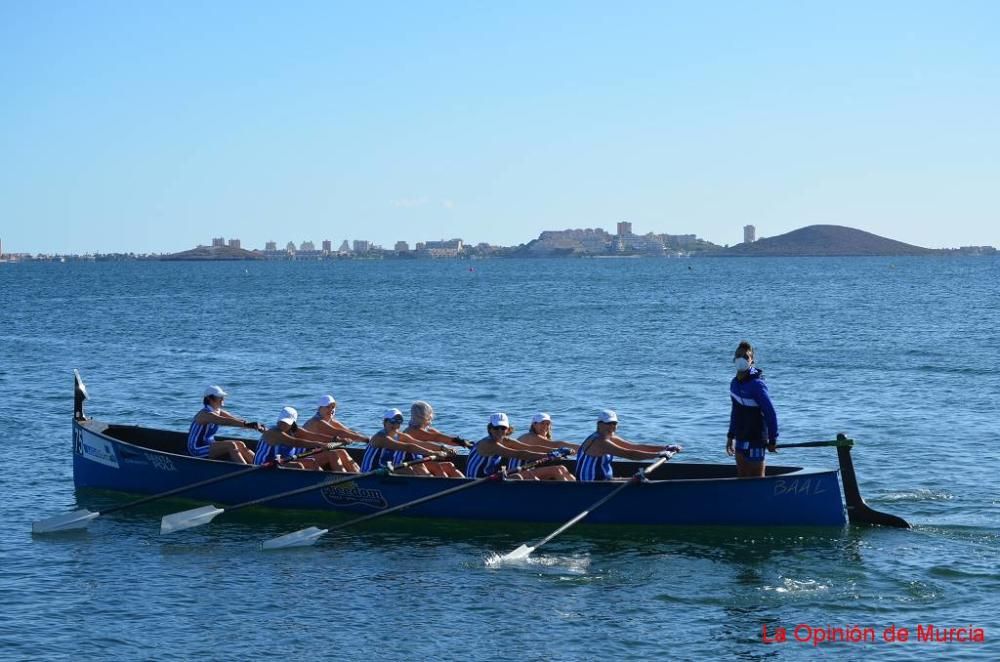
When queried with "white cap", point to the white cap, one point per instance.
{"points": [[742, 365], [215, 391], [607, 416], [499, 419], [391, 414], [288, 415], [541, 416], [326, 401]]}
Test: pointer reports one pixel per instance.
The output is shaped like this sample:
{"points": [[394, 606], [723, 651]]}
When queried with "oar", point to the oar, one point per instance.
{"points": [[524, 551], [306, 537], [188, 519], [858, 511], [78, 519]]}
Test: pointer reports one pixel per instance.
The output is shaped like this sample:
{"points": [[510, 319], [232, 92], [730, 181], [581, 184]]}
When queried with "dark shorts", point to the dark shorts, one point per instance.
{"points": [[750, 452]]}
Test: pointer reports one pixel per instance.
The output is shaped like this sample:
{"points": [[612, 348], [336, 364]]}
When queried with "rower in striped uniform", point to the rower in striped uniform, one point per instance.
{"points": [[489, 453], [286, 438], [595, 455], [389, 445], [539, 437], [201, 435]]}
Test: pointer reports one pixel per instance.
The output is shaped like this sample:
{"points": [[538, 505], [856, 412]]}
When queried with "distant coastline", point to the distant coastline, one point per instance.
{"points": [[809, 241]]}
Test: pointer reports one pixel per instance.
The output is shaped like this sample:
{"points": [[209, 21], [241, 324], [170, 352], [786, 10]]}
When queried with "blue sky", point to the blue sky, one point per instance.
{"points": [[154, 126]]}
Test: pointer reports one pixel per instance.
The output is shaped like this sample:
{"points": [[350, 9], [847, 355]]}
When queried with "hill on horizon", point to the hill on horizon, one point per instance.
{"points": [[822, 240], [214, 253]]}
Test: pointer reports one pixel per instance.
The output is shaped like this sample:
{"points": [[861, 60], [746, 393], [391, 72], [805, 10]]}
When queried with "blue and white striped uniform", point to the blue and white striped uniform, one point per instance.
{"points": [[478, 466], [593, 467], [201, 436], [375, 457], [266, 452], [752, 420], [514, 465]]}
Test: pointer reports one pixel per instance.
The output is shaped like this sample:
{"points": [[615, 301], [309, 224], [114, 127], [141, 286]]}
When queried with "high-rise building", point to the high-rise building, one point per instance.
{"points": [[218, 241], [624, 229], [749, 234], [402, 247], [327, 246], [362, 246], [290, 247], [271, 246], [344, 247], [234, 243], [307, 246]]}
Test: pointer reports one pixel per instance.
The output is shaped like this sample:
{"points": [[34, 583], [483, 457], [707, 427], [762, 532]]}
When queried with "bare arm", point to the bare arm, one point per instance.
{"points": [[430, 434], [512, 448], [609, 446], [532, 439], [624, 443], [224, 418]]}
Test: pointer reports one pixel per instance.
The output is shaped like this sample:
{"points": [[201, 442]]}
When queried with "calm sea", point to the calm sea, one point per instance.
{"points": [[900, 354]]}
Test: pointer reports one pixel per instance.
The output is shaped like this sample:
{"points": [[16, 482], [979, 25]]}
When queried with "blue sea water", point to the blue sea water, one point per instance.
{"points": [[898, 353]]}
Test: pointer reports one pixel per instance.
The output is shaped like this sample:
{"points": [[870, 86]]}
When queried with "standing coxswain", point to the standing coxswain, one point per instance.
{"points": [[753, 423]]}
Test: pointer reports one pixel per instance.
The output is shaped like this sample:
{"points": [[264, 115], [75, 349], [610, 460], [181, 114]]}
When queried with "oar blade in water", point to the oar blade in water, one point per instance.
{"points": [[188, 519], [519, 554], [300, 538], [77, 519]]}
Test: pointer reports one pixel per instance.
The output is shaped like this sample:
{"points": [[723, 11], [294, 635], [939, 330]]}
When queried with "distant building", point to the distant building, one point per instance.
{"points": [[624, 229], [402, 247], [307, 246], [327, 246], [344, 248], [271, 246], [362, 246], [749, 234], [290, 247], [234, 243], [442, 248], [218, 241]]}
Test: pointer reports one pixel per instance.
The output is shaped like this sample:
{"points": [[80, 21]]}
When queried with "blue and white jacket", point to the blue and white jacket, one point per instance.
{"points": [[752, 417]]}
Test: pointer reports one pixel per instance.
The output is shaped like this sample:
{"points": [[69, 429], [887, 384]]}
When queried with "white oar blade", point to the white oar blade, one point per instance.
{"points": [[78, 519], [188, 519], [518, 554], [300, 538]]}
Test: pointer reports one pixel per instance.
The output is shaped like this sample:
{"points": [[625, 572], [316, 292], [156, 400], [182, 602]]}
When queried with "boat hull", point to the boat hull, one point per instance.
{"points": [[137, 460]]}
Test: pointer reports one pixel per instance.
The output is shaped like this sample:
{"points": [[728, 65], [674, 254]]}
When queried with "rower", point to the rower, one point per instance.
{"points": [[324, 422], [286, 438], [539, 437], [594, 457], [201, 434], [419, 427], [489, 453], [390, 446]]}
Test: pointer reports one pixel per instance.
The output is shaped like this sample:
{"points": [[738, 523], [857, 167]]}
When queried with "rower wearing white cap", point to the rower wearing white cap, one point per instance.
{"points": [[489, 453], [389, 445], [539, 436], [324, 421], [286, 438], [201, 435], [594, 457]]}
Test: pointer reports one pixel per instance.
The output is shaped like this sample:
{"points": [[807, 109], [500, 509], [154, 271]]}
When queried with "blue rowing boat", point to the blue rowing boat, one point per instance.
{"points": [[142, 460]]}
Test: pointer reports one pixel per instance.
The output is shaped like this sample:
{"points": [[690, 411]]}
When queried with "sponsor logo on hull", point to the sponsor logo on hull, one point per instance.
{"points": [[95, 449], [349, 494]]}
